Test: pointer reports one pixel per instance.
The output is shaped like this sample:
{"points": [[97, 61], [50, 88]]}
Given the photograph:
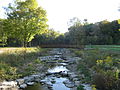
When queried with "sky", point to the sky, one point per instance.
{"points": [[60, 11]]}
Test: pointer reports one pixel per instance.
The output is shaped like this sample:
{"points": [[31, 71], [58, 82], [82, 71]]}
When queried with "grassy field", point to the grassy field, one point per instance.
{"points": [[104, 47]]}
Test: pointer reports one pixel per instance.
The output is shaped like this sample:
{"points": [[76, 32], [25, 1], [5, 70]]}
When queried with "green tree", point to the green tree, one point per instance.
{"points": [[26, 20], [3, 33]]}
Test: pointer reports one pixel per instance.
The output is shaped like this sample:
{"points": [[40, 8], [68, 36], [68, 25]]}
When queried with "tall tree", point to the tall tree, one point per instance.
{"points": [[26, 20], [3, 32]]}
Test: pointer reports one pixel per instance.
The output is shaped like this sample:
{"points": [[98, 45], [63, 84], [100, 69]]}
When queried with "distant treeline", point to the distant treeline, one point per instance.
{"points": [[100, 33]]}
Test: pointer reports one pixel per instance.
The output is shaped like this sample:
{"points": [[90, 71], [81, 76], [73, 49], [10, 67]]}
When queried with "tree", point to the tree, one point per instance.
{"points": [[26, 20], [3, 33]]}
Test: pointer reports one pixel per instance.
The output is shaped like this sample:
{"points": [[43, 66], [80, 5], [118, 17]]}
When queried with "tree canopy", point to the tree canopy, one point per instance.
{"points": [[26, 20]]}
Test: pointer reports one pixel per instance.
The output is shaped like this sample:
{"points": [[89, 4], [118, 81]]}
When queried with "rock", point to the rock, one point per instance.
{"points": [[36, 77], [20, 81], [53, 81], [9, 83], [59, 53], [77, 83], [29, 79], [64, 74], [57, 56], [49, 85], [75, 79], [30, 83], [87, 86], [23, 86], [69, 84], [43, 81], [74, 88], [72, 75]]}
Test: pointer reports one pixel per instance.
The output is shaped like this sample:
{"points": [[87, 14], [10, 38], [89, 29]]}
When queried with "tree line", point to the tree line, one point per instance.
{"points": [[25, 25]]}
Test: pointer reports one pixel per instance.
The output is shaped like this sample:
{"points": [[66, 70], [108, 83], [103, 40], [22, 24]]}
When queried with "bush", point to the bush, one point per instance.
{"points": [[106, 81], [80, 87], [7, 72]]}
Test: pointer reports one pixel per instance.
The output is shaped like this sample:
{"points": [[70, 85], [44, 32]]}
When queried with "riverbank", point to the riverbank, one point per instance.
{"points": [[53, 72]]}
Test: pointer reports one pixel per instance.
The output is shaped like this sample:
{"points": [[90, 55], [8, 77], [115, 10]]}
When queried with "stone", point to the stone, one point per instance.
{"points": [[29, 79], [77, 83], [74, 88], [64, 73], [69, 84], [20, 81], [9, 83], [75, 79], [43, 81], [23, 86], [87, 86], [30, 83]]}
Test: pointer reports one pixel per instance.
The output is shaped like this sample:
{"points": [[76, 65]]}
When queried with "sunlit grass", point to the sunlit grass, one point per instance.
{"points": [[104, 47], [19, 58]]}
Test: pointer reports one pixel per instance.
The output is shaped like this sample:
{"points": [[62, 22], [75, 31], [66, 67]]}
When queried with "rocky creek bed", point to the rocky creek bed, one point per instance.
{"points": [[59, 77]]}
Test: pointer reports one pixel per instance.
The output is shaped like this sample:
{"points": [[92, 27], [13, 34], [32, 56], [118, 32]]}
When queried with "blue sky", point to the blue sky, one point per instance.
{"points": [[60, 11]]}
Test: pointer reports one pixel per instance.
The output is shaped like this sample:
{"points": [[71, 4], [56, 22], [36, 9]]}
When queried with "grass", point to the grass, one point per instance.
{"points": [[104, 47], [22, 59], [107, 72]]}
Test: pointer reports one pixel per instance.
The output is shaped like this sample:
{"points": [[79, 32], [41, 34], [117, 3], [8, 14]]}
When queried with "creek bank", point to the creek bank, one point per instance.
{"points": [[61, 76]]}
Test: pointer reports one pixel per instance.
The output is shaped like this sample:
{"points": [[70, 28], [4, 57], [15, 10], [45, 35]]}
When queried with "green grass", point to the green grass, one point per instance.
{"points": [[20, 59], [104, 47], [106, 71]]}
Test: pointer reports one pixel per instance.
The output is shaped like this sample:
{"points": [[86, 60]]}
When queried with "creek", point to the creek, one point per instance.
{"points": [[55, 81]]}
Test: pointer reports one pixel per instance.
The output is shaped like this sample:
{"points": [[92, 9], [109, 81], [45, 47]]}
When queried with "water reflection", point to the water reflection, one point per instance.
{"points": [[37, 86], [57, 69]]}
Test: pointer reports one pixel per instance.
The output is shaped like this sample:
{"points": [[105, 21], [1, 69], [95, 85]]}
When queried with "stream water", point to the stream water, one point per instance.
{"points": [[56, 82]]}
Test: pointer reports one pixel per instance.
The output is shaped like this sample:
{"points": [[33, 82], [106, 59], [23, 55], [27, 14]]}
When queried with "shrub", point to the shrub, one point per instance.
{"points": [[80, 87], [7, 72]]}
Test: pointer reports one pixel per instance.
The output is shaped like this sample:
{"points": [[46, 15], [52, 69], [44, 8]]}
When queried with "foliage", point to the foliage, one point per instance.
{"points": [[18, 61], [80, 87], [7, 72], [27, 18], [103, 32], [101, 67]]}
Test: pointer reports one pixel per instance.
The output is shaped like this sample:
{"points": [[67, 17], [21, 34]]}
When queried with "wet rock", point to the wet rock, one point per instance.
{"points": [[29, 79], [22, 86], [57, 56], [53, 81], [43, 81], [64, 73], [69, 84], [50, 86], [30, 83]]}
